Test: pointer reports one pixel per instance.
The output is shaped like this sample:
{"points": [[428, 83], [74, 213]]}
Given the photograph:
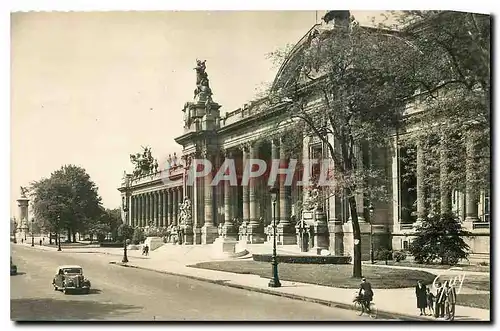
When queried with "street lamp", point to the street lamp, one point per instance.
{"points": [[274, 282], [32, 234], [371, 209], [125, 211], [58, 233]]}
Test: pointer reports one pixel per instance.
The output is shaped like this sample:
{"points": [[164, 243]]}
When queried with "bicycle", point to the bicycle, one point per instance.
{"points": [[360, 307]]}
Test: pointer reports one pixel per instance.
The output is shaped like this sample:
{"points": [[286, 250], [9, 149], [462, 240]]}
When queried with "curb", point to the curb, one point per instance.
{"points": [[69, 250], [341, 305]]}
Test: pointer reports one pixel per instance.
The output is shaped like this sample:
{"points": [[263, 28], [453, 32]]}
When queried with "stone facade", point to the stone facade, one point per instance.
{"points": [[245, 211]]}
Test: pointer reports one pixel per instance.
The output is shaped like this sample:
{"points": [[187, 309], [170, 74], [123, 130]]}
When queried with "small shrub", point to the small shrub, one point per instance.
{"points": [[399, 256], [383, 254], [483, 264]]}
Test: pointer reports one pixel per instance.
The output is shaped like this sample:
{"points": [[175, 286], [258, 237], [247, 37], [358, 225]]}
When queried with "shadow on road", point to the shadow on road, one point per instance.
{"points": [[19, 273], [27, 310]]}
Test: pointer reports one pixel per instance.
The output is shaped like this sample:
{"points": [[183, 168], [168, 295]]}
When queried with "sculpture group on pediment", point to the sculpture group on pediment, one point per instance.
{"points": [[144, 163]]}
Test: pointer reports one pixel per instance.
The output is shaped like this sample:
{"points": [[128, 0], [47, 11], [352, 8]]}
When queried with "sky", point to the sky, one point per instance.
{"points": [[90, 88]]}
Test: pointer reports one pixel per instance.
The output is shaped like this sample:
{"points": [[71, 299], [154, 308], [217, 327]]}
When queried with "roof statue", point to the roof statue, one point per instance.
{"points": [[202, 90], [24, 191]]}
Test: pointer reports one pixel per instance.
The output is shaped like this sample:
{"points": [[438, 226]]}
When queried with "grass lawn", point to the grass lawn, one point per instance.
{"points": [[468, 267], [474, 300], [335, 275]]}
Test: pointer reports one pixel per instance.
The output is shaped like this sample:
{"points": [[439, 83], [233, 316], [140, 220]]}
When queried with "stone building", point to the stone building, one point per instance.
{"points": [[244, 212]]}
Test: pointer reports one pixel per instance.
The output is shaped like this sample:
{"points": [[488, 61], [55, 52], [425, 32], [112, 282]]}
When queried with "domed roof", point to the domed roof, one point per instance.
{"points": [[289, 71]]}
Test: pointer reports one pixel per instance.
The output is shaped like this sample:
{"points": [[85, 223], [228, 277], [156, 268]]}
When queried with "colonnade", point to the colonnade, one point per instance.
{"points": [[159, 208]]}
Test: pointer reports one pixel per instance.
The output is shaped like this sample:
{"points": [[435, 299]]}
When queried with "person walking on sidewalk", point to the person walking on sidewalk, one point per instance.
{"points": [[430, 302], [450, 301], [146, 250], [439, 310], [421, 294]]}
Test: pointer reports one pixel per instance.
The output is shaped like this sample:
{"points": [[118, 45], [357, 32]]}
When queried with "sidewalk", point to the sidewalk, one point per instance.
{"points": [[404, 308], [173, 259]]}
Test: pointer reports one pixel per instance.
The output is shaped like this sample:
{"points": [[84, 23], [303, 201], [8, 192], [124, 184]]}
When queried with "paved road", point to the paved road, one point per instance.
{"points": [[131, 294]]}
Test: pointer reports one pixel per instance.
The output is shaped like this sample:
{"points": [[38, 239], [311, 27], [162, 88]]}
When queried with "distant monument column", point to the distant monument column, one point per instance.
{"points": [[23, 202]]}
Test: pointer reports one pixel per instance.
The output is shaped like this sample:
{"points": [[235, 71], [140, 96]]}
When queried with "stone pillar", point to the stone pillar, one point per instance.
{"points": [[168, 207], [245, 189], [144, 210], [421, 212], [174, 205], [23, 228], [229, 230], [285, 229], [162, 212], [255, 228], [139, 211], [208, 231], [472, 192], [444, 190], [275, 156], [136, 210], [151, 208], [133, 210], [179, 193]]}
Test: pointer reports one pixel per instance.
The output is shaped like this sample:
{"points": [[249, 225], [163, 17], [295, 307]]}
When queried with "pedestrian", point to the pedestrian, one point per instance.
{"points": [[450, 300], [40, 242], [440, 297], [421, 294], [146, 250], [22, 241], [430, 301]]}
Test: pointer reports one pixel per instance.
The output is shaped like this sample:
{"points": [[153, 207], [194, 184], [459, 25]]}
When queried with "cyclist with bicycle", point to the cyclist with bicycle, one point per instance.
{"points": [[365, 293]]}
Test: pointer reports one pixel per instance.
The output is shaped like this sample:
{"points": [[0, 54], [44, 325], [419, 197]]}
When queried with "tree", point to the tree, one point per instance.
{"points": [[345, 87], [452, 70], [13, 226], [125, 232], [137, 236], [440, 238], [67, 200]]}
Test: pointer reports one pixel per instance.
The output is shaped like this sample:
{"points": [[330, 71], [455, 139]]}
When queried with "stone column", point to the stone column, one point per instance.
{"points": [[174, 205], [255, 229], [285, 230], [229, 228], [471, 193], [134, 210], [275, 156], [444, 190], [421, 212], [23, 226], [151, 208], [161, 213], [144, 201], [180, 198], [168, 206], [208, 231], [245, 189]]}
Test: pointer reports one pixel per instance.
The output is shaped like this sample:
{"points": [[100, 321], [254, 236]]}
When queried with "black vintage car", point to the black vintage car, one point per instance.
{"points": [[13, 268], [69, 278]]}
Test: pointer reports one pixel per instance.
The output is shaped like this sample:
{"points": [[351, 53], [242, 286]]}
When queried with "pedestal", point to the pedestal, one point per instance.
{"points": [[208, 234], [187, 235], [229, 231], [286, 234], [196, 236], [255, 235]]}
